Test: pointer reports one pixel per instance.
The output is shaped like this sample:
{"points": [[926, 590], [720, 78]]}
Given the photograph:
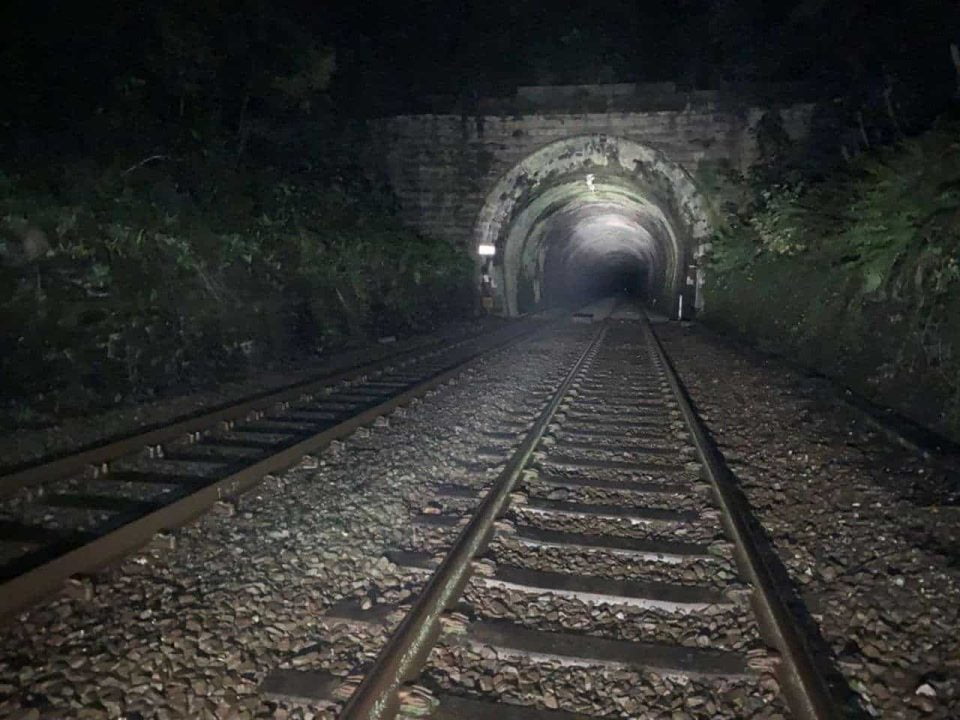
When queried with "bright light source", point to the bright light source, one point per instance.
{"points": [[487, 250]]}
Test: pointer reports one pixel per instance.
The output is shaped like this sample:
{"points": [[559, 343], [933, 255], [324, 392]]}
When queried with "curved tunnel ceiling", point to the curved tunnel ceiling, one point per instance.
{"points": [[584, 226], [596, 239], [587, 201]]}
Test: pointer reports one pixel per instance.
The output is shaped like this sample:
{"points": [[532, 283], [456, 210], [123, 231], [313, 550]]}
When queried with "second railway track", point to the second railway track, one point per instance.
{"points": [[79, 512], [608, 570]]}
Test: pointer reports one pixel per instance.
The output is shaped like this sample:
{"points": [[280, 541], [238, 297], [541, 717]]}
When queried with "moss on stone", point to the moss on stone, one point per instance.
{"points": [[856, 276], [146, 291]]}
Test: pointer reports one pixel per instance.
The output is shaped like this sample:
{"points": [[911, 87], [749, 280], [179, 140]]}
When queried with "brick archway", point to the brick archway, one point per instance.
{"points": [[595, 195]]}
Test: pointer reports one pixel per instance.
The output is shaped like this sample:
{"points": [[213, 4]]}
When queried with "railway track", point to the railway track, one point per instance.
{"points": [[608, 569], [76, 513]]}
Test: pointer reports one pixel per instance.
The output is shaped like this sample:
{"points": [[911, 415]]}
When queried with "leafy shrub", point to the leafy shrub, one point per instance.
{"points": [[857, 275], [146, 288]]}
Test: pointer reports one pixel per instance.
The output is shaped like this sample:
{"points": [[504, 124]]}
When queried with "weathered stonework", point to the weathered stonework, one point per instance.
{"points": [[461, 177]]}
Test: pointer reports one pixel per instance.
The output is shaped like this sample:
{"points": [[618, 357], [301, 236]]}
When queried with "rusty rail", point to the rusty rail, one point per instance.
{"points": [[805, 689], [20, 592], [406, 650], [75, 462]]}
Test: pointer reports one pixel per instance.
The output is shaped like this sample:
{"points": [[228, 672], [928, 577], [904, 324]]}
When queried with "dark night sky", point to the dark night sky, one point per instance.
{"points": [[66, 59], [429, 46]]}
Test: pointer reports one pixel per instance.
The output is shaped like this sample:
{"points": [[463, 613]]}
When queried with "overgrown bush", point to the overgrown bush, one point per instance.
{"points": [[145, 287], [857, 274], [187, 205]]}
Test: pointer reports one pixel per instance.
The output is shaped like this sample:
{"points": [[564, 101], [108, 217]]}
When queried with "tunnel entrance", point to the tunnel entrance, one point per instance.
{"points": [[571, 284], [595, 251], [593, 216]]}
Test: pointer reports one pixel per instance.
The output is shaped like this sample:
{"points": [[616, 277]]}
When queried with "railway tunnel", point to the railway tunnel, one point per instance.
{"points": [[593, 215]]}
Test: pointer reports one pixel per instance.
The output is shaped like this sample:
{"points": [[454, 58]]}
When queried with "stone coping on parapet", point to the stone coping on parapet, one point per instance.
{"points": [[617, 97]]}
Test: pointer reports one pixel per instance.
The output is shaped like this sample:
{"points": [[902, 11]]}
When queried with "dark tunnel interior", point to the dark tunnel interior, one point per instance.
{"points": [[614, 274], [589, 248], [589, 217]]}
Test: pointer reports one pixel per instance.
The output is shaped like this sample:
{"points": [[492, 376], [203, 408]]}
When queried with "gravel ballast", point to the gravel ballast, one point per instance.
{"points": [[869, 532], [191, 626], [29, 445]]}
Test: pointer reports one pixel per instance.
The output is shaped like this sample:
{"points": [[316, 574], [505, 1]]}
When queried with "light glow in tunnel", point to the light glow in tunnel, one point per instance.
{"points": [[595, 250], [591, 216]]}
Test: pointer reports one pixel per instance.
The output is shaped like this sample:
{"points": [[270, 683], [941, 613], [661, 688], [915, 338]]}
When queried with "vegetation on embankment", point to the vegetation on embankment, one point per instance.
{"points": [[123, 286], [856, 275], [181, 200]]}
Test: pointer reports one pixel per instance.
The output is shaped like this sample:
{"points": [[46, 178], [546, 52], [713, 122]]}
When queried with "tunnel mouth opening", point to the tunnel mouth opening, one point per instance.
{"points": [[590, 216], [583, 237], [571, 284], [596, 248]]}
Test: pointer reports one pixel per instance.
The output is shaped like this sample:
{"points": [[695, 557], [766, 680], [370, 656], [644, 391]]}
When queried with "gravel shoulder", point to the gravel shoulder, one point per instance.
{"points": [[191, 626], [869, 532], [27, 445]]}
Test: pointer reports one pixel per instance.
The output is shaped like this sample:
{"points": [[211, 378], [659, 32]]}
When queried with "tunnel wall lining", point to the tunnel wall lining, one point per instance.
{"points": [[442, 167], [658, 187], [560, 234]]}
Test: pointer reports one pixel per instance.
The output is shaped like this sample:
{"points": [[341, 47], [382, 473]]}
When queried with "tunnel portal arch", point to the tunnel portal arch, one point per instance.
{"points": [[587, 197]]}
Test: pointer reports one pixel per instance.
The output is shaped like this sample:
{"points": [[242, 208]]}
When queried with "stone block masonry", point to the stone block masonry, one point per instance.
{"points": [[442, 167]]}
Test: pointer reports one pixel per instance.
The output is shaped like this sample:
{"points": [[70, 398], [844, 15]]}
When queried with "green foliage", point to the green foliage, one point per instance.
{"points": [[857, 275], [202, 214], [135, 298], [317, 64]]}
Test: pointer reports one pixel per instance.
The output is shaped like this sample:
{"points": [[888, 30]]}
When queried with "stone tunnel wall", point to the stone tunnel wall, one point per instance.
{"points": [[441, 167]]}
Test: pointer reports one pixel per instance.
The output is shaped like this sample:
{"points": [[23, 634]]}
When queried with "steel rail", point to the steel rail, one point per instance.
{"points": [[20, 592], [805, 689], [405, 652], [75, 462]]}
